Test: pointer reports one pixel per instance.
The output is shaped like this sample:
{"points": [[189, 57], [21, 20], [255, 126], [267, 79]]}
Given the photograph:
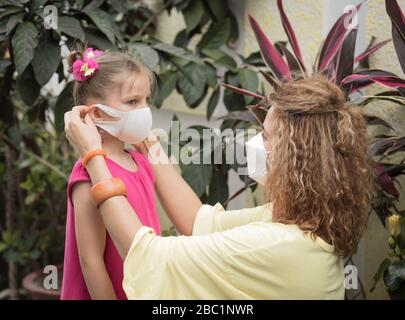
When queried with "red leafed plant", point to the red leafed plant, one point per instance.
{"points": [[337, 61]]}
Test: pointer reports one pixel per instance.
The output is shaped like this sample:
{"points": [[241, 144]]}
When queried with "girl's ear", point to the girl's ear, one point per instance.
{"points": [[97, 114]]}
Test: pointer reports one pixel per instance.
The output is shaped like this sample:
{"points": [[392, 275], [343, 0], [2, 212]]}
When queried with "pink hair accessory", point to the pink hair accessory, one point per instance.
{"points": [[85, 68]]}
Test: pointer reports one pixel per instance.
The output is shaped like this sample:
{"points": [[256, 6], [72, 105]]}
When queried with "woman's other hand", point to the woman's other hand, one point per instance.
{"points": [[144, 146], [81, 131]]}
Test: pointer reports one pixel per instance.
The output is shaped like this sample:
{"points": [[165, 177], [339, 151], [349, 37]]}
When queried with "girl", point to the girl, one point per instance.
{"points": [[93, 269], [319, 183]]}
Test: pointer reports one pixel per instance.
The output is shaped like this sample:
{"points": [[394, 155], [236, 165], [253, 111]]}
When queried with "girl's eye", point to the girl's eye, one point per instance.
{"points": [[133, 101]]}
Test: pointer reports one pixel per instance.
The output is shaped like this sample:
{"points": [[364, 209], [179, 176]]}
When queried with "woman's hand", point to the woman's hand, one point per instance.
{"points": [[144, 146], [81, 133]]}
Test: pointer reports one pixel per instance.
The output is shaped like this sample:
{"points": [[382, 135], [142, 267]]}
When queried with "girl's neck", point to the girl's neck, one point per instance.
{"points": [[113, 147]]}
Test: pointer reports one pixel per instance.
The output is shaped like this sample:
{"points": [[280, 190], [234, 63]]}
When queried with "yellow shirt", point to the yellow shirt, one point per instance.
{"points": [[237, 254]]}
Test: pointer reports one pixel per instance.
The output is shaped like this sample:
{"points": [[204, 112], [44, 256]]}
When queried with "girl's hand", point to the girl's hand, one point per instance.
{"points": [[81, 133]]}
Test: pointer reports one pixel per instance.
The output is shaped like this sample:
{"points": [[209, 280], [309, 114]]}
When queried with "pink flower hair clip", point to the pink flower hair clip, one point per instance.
{"points": [[85, 68]]}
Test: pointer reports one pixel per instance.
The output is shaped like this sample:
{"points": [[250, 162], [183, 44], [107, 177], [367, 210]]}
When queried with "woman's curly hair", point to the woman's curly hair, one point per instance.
{"points": [[319, 171]]}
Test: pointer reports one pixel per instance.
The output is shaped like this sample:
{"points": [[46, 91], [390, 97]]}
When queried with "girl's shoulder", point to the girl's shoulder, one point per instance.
{"points": [[78, 171], [78, 174]]}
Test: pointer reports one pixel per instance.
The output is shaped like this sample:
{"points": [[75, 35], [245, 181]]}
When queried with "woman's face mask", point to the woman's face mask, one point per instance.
{"points": [[256, 156], [131, 126]]}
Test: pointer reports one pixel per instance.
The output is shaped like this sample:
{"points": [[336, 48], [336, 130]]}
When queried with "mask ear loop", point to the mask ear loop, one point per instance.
{"points": [[105, 121], [266, 152]]}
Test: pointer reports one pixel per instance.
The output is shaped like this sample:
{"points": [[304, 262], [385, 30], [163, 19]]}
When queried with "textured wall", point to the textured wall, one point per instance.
{"points": [[305, 16]]}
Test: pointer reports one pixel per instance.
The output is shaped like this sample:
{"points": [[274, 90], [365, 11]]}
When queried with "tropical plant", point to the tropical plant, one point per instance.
{"points": [[389, 150]]}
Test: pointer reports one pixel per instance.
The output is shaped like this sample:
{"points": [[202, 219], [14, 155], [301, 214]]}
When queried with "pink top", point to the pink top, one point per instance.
{"points": [[141, 196]]}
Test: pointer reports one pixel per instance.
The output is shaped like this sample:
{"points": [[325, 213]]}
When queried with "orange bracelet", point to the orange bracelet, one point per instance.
{"points": [[91, 154], [106, 189]]}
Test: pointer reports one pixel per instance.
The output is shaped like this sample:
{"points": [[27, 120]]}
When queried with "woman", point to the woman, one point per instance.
{"points": [[319, 185]]}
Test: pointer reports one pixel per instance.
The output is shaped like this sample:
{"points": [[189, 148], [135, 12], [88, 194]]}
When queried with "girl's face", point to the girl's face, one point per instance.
{"points": [[133, 93]]}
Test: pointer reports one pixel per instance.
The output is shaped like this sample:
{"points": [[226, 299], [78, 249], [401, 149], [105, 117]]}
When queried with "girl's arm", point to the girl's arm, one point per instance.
{"points": [[91, 235], [176, 196], [116, 212]]}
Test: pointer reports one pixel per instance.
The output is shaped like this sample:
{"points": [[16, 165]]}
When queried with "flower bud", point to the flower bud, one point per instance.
{"points": [[392, 242], [394, 225]]}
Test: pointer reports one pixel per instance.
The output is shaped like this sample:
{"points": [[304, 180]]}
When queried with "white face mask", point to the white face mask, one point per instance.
{"points": [[131, 127], [256, 156]]}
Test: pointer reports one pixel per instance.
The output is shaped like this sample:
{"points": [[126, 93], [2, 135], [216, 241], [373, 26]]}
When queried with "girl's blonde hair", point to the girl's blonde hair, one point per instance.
{"points": [[112, 69], [319, 171]]}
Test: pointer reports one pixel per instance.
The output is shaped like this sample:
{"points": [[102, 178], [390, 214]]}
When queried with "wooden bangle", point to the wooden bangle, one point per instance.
{"points": [[106, 189], [91, 154]]}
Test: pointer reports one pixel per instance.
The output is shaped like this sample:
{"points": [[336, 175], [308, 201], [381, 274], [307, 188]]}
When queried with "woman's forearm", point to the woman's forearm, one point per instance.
{"points": [[119, 217], [98, 281], [176, 196]]}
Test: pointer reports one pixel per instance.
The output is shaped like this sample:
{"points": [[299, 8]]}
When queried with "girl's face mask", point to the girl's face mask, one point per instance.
{"points": [[256, 156], [131, 126]]}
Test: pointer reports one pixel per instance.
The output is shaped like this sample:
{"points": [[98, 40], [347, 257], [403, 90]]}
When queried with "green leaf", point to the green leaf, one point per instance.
{"points": [[194, 90], [233, 101], [71, 27], [63, 104], [46, 59], [216, 36], [103, 21], [219, 9], [193, 14], [10, 11], [177, 52], [145, 54], [93, 5], [3, 246], [212, 103], [380, 271], [94, 38], [119, 5], [397, 269], [391, 279], [227, 62], [28, 86], [166, 84], [401, 241], [211, 75], [37, 4], [249, 81], [218, 188], [13, 21], [24, 42], [197, 176]]}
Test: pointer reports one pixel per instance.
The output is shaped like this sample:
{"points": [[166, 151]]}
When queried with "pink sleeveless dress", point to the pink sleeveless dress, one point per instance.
{"points": [[141, 196]]}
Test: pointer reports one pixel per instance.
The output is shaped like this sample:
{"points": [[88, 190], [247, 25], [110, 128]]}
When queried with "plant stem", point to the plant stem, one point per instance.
{"points": [[36, 157], [153, 18]]}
